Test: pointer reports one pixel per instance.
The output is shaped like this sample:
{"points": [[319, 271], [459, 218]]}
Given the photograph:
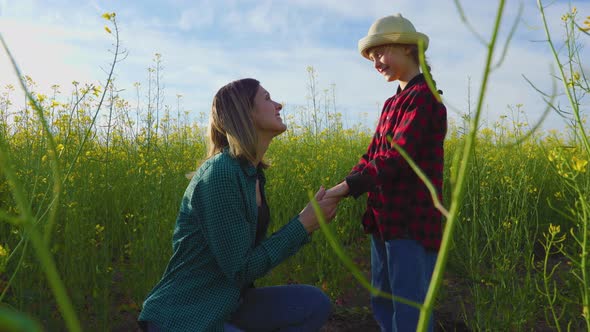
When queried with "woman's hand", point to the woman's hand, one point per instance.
{"points": [[328, 205]]}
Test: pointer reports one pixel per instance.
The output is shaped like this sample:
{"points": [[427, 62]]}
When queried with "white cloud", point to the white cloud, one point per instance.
{"points": [[46, 53], [207, 44], [201, 16]]}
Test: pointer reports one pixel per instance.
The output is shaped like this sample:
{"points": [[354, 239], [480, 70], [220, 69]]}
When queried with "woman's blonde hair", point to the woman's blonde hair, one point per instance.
{"points": [[230, 124]]}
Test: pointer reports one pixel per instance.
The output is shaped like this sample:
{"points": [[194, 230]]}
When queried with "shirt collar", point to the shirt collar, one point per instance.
{"points": [[247, 167], [415, 80]]}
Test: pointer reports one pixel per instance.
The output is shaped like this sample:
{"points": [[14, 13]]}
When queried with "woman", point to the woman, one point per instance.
{"points": [[220, 245]]}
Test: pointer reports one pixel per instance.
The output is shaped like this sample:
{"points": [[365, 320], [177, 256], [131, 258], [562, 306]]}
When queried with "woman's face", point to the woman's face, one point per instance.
{"points": [[266, 116]]}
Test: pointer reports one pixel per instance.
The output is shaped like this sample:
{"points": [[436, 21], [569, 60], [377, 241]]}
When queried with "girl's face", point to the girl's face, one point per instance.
{"points": [[394, 62], [266, 115]]}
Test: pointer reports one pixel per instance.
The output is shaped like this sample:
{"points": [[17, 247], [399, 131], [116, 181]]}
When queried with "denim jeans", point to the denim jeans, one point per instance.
{"points": [[287, 308], [281, 308], [402, 267]]}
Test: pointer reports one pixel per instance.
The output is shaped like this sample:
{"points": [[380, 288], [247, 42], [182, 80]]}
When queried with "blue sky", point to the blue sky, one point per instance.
{"points": [[207, 43]]}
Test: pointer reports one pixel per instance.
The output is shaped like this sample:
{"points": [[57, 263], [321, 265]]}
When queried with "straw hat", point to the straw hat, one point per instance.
{"points": [[393, 29]]}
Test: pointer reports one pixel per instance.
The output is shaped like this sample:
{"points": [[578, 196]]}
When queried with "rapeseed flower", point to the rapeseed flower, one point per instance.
{"points": [[554, 229], [3, 252], [579, 165]]}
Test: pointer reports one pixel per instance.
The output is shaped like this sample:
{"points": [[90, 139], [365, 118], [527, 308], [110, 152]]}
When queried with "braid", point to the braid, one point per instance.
{"points": [[415, 56]]}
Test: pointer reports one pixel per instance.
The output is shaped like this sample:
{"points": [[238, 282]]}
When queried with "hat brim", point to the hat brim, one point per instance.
{"points": [[390, 38]]}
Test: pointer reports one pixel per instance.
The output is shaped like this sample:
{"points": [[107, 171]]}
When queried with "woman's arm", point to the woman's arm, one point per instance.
{"points": [[221, 213]]}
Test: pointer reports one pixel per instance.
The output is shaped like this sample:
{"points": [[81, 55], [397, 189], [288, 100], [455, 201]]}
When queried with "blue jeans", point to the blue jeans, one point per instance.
{"points": [[402, 267], [281, 308]]}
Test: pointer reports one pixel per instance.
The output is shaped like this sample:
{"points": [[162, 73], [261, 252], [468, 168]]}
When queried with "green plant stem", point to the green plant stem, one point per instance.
{"points": [[57, 185], [103, 96], [356, 272], [40, 246], [574, 105], [13, 276], [424, 178], [459, 190], [551, 294], [579, 125], [584, 260]]}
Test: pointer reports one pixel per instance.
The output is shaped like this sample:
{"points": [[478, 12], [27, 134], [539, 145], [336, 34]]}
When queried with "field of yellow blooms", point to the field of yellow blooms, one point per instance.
{"points": [[90, 188], [122, 183]]}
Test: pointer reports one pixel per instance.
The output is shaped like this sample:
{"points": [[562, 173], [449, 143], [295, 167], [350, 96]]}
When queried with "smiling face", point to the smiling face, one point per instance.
{"points": [[394, 62], [266, 116]]}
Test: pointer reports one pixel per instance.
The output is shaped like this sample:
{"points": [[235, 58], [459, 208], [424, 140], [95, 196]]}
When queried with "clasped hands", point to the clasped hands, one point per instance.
{"points": [[328, 201]]}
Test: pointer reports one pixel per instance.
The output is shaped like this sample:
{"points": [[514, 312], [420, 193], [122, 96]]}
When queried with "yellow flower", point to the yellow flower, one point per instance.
{"points": [[96, 90], [554, 229], [108, 16], [41, 97], [3, 259], [576, 76], [579, 165], [107, 29]]}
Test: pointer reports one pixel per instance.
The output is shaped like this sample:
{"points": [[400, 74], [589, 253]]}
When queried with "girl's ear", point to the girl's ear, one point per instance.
{"points": [[408, 50]]}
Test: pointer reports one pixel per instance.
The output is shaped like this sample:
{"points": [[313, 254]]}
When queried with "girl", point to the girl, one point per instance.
{"points": [[405, 226]]}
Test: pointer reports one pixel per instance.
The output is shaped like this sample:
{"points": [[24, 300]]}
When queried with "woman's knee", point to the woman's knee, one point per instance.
{"points": [[318, 299]]}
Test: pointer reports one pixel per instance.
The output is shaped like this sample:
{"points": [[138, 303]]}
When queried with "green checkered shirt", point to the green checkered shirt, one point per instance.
{"points": [[213, 249]]}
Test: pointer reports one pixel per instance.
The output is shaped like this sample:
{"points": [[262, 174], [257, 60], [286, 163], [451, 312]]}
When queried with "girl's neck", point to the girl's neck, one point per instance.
{"points": [[403, 81]]}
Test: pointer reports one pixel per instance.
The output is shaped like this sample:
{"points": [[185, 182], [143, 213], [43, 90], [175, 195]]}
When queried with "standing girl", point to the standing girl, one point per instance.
{"points": [[405, 226]]}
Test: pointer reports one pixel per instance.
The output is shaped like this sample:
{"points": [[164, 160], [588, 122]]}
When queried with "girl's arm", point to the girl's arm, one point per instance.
{"points": [[416, 128]]}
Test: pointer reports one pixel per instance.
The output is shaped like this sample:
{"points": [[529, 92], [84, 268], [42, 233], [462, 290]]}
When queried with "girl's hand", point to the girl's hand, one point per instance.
{"points": [[338, 191]]}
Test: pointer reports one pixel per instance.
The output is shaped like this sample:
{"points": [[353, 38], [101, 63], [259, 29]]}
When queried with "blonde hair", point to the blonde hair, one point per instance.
{"points": [[230, 123], [414, 53]]}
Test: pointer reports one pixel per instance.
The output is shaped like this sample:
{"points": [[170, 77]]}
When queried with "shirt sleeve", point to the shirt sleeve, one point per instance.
{"points": [[360, 166], [408, 134], [221, 211]]}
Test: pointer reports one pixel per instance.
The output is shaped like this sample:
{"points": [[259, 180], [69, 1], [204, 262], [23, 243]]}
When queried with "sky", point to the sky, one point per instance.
{"points": [[205, 44]]}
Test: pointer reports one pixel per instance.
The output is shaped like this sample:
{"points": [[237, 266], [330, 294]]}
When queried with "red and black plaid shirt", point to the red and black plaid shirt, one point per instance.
{"points": [[398, 204]]}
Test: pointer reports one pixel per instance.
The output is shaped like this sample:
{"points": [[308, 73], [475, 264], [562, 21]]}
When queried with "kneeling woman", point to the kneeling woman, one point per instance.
{"points": [[220, 245]]}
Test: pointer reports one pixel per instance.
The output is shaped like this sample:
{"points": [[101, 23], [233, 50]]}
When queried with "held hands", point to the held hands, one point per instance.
{"points": [[328, 205], [338, 191]]}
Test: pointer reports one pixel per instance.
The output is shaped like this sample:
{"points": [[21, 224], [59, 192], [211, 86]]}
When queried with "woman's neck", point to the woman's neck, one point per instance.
{"points": [[263, 143]]}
